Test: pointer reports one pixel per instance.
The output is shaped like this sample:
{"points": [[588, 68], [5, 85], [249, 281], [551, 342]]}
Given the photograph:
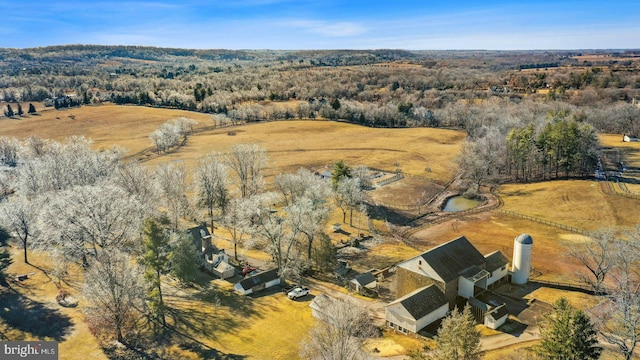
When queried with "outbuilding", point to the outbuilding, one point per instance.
{"points": [[260, 281], [417, 310]]}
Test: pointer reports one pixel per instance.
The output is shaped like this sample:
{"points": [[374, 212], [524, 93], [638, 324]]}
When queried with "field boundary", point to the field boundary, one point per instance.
{"points": [[546, 222]]}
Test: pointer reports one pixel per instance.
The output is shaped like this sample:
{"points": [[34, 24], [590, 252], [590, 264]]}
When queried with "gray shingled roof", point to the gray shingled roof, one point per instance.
{"points": [[495, 261], [450, 258], [421, 302], [498, 312], [365, 279], [259, 278]]}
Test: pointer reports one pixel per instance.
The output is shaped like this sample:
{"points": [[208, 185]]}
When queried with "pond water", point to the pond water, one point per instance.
{"points": [[459, 203]]}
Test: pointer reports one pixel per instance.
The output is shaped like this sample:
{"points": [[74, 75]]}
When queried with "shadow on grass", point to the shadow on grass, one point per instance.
{"points": [[205, 319], [393, 216], [33, 317], [205, 352]]}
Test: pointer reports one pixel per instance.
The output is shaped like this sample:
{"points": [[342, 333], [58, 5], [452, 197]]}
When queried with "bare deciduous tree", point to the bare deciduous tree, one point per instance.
{"points": [[171, 180], [211, 184], [307, 218], [348, 195], [339, 334], [115, 294], [237, 220], [20, 215], [136, 180], [95, 218], [276, 235], [246, 162], [595, 255]]}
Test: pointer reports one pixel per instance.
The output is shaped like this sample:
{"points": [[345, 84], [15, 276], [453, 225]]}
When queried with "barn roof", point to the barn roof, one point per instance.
{"points": [[495, 260], [450, 258], [259, 278], [419, 303]]}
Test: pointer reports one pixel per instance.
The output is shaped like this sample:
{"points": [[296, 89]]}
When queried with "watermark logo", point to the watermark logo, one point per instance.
{"points": [[40, 350]]}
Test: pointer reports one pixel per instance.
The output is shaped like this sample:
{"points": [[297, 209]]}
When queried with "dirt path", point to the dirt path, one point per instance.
{"points": [[494, 342]]}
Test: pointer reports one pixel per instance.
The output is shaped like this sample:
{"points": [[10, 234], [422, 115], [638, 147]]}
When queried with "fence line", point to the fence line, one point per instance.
{"points": [[547, 222]]}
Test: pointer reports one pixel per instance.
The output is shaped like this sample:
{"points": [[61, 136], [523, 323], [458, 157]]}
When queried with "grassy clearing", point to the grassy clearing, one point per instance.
{"points": [[631, 150], [241, 325], [32, 313], [108, 125], [292, 145], [577, 203]]}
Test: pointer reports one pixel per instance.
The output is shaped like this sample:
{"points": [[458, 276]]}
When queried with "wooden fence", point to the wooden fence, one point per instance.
{"points": [[546, 222]]}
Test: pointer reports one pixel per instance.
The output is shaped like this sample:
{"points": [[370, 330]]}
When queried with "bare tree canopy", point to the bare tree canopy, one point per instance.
{"points": [[339, 334], [246, 162], [95, 218], [115, 294]]}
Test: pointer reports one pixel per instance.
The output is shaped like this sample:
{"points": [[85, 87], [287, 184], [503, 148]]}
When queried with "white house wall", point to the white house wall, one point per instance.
{"points": [[439, 313], [400, 321], [496, 275], [465, 287], [419, 265], [491, 324]]}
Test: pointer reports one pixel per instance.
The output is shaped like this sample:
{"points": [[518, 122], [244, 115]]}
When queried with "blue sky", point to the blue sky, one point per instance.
{"points": [[326, 24]]}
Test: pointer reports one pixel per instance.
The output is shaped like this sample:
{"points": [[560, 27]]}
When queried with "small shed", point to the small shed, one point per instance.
{"points": [[260, 281], [223, 270], [496, 317], [364, 281], [417, 310]]}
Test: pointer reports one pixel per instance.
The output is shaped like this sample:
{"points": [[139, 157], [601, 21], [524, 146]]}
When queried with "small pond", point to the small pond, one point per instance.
{"points": [[459, 203]]}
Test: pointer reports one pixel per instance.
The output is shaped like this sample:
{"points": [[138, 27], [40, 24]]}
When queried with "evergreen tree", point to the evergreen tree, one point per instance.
{"points": [[185, 258], [458, 338], [9, 111], [32, 109], [340, 170], [155, 260], [335, 104], [20, 111], [568, 334]]}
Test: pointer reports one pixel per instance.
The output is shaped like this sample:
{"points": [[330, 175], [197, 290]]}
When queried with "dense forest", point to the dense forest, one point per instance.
{"points": [[512, 99]]}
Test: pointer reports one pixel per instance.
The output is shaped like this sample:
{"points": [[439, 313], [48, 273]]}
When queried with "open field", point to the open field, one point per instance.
{"points": [[577, 203], [108, 125], [290, 144]]}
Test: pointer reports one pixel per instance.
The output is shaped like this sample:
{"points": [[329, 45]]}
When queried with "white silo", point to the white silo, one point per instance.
{"points": [[522, 246]]}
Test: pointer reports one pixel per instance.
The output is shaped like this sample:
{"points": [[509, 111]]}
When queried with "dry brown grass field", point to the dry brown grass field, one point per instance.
{"points": [[578, 203], [291, 145]]}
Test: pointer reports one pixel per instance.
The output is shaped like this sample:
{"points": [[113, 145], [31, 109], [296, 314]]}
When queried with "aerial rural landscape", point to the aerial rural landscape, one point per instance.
{"points": [[162, 199]]}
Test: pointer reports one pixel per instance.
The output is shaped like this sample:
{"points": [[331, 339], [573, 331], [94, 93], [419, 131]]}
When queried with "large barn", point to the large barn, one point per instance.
{"points": [[451, 272]]}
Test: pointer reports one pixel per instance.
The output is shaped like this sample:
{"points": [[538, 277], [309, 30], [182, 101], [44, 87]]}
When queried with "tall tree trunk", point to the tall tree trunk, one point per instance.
{"points": [[24, 245]]}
